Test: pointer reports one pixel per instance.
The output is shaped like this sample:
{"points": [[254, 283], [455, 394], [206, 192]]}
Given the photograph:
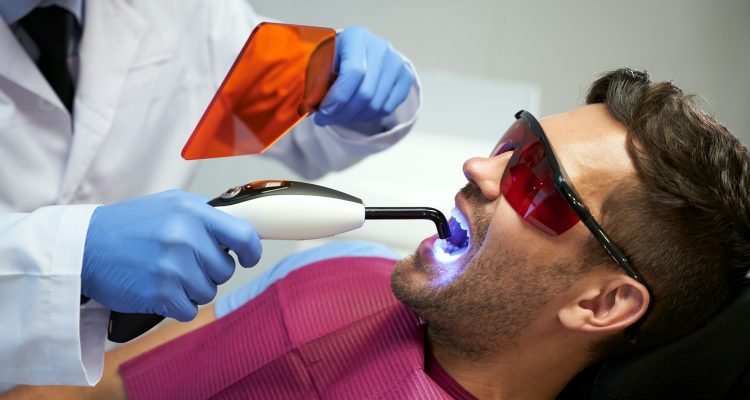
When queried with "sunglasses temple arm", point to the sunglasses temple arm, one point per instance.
{"points": [[612, 249]]}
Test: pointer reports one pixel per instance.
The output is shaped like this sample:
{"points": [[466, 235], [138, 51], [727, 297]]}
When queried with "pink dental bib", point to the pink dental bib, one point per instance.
{"points": [[330, 330]]}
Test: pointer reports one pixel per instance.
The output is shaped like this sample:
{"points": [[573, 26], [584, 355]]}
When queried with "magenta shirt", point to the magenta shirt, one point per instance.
{"points": [[331, 330]]}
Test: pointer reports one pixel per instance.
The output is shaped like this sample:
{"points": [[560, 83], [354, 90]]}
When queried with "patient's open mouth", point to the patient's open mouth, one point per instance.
{"points": [[459, 239]]}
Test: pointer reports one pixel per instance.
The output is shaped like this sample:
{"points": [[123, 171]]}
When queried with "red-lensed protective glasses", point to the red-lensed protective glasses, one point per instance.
{"points": [[538, 189]]}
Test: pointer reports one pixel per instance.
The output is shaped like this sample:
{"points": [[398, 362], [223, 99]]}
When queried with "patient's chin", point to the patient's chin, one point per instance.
{"points": [[408, 278], [406, 271]]}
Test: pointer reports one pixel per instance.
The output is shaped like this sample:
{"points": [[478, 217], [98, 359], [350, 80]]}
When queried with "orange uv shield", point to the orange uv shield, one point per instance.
{"points": [[281, 75]]}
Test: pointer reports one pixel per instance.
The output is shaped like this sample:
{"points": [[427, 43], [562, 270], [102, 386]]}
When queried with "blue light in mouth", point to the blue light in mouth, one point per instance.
{"points": [[459, 237], [447, 251], [447, 270], [443, 256]]}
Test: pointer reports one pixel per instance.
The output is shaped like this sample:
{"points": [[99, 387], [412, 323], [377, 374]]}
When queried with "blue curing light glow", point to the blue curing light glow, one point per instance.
{"points": [[448, 269], [438, 251], [446, 252]]}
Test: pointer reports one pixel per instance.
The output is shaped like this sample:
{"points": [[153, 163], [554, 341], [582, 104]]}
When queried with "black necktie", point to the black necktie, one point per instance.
{"points": [[51, 29]]}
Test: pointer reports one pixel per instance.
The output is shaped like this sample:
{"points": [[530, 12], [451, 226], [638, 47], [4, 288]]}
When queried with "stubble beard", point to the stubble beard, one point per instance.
{"points": [[485, 309], [479, 313]]}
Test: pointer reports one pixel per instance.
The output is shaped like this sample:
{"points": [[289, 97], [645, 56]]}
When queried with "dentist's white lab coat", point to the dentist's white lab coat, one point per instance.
{"points": [[147, 71]]}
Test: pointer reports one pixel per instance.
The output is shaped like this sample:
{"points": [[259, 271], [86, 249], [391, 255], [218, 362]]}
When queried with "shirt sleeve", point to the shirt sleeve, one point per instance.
{"points": [[47, 336], [242, 295]]}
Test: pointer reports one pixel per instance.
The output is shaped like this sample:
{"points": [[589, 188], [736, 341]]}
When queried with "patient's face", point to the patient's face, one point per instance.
{"points": [[481, 299]]}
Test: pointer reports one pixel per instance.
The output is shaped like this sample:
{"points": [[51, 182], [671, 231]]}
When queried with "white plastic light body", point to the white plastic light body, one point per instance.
{"points": [[298, 217]]}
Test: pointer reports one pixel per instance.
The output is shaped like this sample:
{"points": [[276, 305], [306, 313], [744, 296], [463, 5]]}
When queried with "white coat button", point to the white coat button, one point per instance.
{"points": [[45, 105]]}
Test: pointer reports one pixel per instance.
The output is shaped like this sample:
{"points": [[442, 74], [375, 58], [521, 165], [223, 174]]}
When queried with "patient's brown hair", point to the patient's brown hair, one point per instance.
{"points": [[685, 222]]}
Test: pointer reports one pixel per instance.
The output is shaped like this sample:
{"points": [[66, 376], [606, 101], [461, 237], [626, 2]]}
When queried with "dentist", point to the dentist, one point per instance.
{"points": [[96, 100]]}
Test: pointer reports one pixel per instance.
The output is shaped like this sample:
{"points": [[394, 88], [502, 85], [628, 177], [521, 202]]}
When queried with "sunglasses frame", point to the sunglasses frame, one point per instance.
{"points": [[565, 187]]}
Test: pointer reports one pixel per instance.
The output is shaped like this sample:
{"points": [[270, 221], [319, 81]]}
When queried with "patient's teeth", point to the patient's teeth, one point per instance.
{"points": [[461, 219]]}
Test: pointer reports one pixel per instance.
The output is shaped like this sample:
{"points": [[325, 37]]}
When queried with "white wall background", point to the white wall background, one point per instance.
{"points": [[703, 45]]}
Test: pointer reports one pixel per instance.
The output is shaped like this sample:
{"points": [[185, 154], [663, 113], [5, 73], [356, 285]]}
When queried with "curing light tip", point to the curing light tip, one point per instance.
{"points": [[441, 223]]}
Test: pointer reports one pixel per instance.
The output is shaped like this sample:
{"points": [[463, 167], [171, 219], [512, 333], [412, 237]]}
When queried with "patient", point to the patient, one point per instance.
{"points": [[644, 238]]}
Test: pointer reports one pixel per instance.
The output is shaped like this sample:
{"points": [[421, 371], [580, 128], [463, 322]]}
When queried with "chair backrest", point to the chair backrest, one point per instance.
{"points": [[711, 363]]}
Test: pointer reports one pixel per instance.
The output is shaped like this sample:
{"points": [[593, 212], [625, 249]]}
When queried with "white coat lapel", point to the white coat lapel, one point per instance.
{"points": [[112, 34], [18, 68]]}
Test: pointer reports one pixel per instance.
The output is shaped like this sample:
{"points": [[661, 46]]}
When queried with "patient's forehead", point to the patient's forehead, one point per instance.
{"points": [[590, 145]]}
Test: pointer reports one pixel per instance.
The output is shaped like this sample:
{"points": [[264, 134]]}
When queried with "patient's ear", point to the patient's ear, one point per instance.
{"points": [[605, 304]]}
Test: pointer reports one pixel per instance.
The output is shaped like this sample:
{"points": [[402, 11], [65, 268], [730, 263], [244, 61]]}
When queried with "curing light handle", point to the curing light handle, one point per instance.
{"points": [[441, 223], [124, 327]]}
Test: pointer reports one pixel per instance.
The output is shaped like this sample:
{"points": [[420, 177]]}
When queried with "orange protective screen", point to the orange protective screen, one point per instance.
{"points": [[281, 75]]}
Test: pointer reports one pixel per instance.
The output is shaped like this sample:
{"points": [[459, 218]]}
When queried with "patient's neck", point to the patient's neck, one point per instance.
{"points": [[523, 369]]}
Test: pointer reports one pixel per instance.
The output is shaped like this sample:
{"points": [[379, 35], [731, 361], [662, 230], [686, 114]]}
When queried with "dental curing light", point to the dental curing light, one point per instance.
{"points": [[289, 210], [286, 210]]}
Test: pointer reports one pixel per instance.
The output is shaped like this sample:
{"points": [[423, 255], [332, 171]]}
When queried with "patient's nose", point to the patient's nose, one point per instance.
{"points": [[486, 172]]}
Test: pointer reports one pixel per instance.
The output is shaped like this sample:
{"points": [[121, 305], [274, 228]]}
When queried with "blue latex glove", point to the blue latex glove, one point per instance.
{"points": [[162, 254], [373, 79]]}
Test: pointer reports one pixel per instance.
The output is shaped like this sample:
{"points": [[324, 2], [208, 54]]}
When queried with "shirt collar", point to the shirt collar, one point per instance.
{"points": [[13, 10]]}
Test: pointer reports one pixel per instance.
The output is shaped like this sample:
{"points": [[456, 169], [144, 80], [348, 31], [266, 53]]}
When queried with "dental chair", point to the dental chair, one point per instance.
{"points": [[711, 363]]}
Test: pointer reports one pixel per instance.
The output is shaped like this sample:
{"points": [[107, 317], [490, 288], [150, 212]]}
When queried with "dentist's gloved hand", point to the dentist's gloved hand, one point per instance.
{"points": [[373, 79], [162, 254]]}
